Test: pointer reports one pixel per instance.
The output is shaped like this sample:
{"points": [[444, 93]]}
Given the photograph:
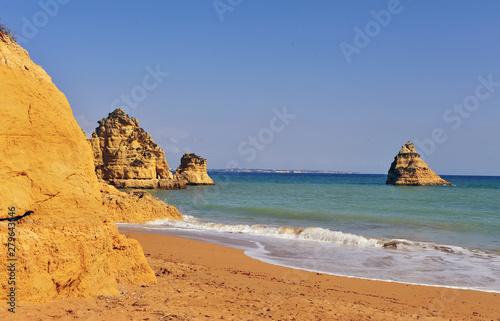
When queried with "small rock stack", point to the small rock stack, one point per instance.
{"points": [[409, 169], [193, 170]]}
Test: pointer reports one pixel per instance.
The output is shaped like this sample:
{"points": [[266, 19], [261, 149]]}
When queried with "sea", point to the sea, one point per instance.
{"points": [[351, 225]]}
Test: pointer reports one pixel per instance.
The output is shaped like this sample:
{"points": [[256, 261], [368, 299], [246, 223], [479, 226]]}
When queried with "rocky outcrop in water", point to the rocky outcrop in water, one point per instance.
{"points": [[409, 169], [193, 170], [65, 243], [126, 156], [135, 206]]}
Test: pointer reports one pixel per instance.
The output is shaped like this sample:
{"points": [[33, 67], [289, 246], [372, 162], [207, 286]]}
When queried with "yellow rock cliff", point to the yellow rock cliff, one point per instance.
{"points": [[65, 244], [135, 206]]}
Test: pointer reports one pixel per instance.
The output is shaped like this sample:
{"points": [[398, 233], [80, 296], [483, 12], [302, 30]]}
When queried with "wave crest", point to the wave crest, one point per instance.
{"points": [[316, 234]]}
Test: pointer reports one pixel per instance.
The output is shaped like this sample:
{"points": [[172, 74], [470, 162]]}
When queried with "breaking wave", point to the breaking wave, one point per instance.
{"points": [[314, 234]]}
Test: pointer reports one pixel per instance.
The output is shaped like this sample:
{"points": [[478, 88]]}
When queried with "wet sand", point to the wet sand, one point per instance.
{"points": [[202, 281]]}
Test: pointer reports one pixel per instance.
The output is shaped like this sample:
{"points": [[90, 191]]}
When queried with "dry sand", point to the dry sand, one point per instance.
{"points": [[202, 281]]}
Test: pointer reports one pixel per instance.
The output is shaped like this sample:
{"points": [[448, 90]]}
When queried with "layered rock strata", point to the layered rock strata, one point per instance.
{"points": [[126, 156], [148, 183], [135, 206], [61, 237], [193, 170], [409, 169]]}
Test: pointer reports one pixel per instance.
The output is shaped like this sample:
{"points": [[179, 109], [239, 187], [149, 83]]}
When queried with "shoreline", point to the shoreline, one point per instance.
{"points": [[385, 281], [255, 253], [201, 281]]}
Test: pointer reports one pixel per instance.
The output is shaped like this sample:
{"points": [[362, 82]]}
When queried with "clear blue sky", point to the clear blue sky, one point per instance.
{"points": [[232, 64]]}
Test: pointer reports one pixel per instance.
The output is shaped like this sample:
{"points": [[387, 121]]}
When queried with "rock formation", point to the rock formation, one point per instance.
{"points": [[193, 170], [409, 169], [135, 206], [65, 244], [127, 157]]}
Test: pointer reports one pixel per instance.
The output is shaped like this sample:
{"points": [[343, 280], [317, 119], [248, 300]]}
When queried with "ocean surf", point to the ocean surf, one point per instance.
{"points": [[349, 225]]}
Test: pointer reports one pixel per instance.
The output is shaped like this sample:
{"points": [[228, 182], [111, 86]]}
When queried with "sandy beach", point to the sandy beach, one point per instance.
{"points": [[327, 149], [202, 281]]}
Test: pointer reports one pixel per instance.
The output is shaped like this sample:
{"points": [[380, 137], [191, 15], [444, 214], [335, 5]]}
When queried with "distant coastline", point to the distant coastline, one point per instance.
{"points": [[279, 171], [294, 171]]}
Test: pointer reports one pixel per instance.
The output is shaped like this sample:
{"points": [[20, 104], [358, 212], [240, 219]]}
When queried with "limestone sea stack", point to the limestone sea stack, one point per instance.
{"points": [[126, 156], [193, 170], [409, 169], [63, 242]]}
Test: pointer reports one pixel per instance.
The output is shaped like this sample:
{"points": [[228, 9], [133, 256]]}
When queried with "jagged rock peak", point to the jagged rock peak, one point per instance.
{"points": [[409, 169], [126, 156], [118, 117], [193, 170], [192, 158], [408, 148]]}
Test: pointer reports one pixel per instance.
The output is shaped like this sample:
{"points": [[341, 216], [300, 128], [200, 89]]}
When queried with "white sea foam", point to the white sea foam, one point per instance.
{"points": [[314, 234], [328, 236], [345, 254]]}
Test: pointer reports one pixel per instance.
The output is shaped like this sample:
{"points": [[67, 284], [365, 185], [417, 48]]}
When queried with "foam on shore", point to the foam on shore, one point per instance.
{"points": [[345, 254], [315, 234]]}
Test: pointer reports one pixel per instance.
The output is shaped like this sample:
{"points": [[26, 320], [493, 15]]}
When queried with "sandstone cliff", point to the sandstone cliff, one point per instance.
{"points": [[193, 170], [135, 206], [65, 244], [126, 156], [409, 169]]}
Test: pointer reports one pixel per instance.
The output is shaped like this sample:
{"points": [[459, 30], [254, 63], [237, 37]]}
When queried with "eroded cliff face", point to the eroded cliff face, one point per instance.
{"points": [[193, 170], [135, 206], [126, 156], [65, 244], [409, 169]]}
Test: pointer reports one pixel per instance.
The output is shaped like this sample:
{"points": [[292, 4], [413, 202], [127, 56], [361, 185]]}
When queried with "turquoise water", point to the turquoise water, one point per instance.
{"points": [[356, 225]]}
